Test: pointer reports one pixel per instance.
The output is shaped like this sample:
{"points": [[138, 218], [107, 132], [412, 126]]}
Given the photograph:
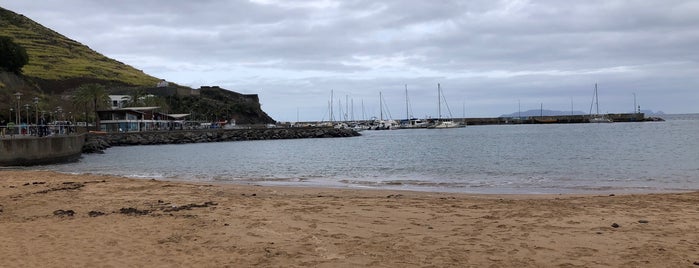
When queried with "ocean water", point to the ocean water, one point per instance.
{"points": [[520, 159]]}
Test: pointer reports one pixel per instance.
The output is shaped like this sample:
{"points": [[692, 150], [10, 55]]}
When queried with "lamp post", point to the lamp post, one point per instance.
{"points": [[36, 110], [19, 96], [12, 110], [26, 108]]}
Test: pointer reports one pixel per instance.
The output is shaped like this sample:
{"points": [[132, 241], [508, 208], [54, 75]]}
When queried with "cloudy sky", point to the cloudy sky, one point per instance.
{"points": [[489, 56]]}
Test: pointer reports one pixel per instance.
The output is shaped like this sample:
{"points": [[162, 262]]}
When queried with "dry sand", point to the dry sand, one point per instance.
{"points": [[56, 220]]}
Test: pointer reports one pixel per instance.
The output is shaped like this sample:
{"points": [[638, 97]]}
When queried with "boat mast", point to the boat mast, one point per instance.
{"points": [[331, 105], [594, 95], [352, 110], [596, 99], [339, 108], [380, 106], [407, 107], [363, 112], [439, 101]]}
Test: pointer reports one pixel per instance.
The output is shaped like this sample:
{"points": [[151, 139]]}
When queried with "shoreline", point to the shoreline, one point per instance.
{"points": [[56, 219], [385, 187]]}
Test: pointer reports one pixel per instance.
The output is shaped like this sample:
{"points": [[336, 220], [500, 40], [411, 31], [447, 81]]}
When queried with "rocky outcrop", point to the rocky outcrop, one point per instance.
{"points": [[97, 142]]}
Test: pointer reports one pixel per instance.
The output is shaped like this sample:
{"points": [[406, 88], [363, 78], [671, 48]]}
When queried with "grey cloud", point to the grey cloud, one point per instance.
{"points": [[488, 53]]}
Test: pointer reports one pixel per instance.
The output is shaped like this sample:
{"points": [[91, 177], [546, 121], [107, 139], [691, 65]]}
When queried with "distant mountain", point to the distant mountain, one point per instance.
{"points": [[58, 65], [539, 112]]}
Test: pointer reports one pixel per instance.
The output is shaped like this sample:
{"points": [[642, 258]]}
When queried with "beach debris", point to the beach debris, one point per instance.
{"points": [[642, 221], [95, 181], [61, 212], [190, 206], [394, 196], [95, 213], [696, 263], [72, 186], [34, 183], [133, 211], [615, 225], [612, 195]]}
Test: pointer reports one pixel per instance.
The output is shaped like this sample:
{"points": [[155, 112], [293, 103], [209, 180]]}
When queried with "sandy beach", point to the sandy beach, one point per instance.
{"points": [[50, 219]]}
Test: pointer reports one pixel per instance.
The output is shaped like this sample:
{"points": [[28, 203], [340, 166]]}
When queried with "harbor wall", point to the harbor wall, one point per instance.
{"points": [[556, 119], [26, 151], [97, 142]]}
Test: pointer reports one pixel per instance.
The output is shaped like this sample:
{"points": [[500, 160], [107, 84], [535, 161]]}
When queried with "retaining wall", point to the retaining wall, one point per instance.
{"points": [[25, 151]]}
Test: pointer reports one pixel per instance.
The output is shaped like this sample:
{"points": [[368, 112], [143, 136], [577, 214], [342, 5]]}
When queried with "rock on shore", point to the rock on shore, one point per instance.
{"points": [[97, 142]]}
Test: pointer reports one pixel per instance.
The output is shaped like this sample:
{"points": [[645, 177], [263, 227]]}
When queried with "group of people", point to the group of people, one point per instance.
{"points": [[41, 130]]}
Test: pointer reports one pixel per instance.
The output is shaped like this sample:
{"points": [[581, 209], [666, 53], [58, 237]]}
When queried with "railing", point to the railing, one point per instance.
{"points": [[48, 130]]}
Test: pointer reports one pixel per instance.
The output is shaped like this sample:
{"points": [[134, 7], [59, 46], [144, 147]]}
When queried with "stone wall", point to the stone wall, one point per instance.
{"points": [[26, 151], [96, 143]]}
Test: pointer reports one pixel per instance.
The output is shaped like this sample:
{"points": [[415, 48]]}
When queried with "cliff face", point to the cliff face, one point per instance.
{"points": [[58, 65]]}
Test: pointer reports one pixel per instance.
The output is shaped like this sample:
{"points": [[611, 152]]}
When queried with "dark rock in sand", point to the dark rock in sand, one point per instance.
{"points": [[642, 221], [133, 211], [95, 213], [190, 206], [615, 225], [61, 212]]}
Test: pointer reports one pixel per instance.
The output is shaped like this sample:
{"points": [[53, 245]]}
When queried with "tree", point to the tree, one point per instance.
{"points": [[93, 95], [12, 56]]}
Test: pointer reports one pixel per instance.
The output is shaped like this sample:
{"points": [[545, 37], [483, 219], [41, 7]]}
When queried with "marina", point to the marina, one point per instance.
{"points": [[523, 159]]}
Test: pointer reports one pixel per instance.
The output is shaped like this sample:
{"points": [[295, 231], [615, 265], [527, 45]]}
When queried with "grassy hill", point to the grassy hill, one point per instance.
{"points": [[55, 57], [58, 65]]}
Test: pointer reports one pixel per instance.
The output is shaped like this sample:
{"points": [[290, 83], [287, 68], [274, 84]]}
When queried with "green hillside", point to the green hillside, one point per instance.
{"points": [[58, 66], [55, 57]]}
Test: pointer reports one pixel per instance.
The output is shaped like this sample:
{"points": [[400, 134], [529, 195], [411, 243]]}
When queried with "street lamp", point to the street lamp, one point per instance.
{"points": [[12, 110], [36, 110], [19, 96], [26, 107]]}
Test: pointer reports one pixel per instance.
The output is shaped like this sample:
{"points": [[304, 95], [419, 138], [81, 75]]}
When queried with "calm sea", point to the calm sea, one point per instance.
{"points": [[575, 158]]}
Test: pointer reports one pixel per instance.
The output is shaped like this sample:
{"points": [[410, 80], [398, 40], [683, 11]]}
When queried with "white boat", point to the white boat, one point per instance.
{"points": [[597, 118], [381, 123], [447, 124], [410, 121], [443, 123]]}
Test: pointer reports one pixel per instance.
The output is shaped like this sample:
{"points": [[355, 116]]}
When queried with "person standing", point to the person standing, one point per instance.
{"points": [[3, 125]]}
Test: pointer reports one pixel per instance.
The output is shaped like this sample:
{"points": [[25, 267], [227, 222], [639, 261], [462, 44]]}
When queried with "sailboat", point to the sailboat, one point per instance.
{"points": [[597, 118], [410, 121], [380, 123], [443, 123]]}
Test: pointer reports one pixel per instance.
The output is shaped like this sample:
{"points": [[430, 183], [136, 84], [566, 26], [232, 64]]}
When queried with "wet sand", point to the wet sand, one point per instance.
{"points": [[57, 220]]}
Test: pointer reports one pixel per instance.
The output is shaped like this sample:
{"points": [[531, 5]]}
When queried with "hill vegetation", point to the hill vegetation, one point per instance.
{"points": [[57, 66], [53, 56]]}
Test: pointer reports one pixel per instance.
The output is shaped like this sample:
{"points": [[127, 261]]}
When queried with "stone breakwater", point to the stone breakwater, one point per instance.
{"points": [[97, 142]]}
